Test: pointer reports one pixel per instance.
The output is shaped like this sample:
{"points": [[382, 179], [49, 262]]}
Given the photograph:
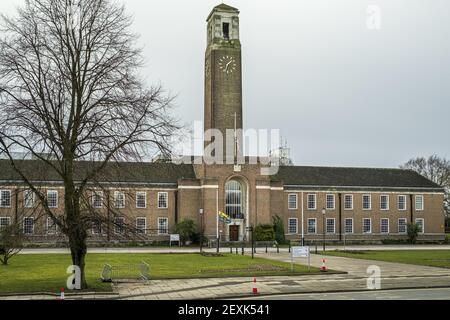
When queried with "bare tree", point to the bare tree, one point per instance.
{"points": [[11, 242], [435, 169], [70, 91]]}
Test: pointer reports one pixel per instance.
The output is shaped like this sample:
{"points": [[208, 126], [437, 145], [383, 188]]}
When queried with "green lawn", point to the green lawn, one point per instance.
{"points": [[46, 273], [433, 258]]}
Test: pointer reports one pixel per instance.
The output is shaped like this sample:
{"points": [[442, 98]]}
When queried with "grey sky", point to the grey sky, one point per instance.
{"points": [[341, 94]]}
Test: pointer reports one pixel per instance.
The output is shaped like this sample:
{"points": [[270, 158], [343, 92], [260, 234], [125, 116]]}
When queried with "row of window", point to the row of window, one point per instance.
{"points": [[97, 199], [119, 226], [349, 228], [348, 202]]}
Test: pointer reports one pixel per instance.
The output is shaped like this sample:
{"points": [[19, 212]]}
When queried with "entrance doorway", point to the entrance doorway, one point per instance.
{"points": [[234, 233]]}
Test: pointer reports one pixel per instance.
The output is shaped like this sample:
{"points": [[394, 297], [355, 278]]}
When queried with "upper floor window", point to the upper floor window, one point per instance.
{"points": [[312, 202], [419, 203], [163, 200], [119, 199], [331, 203], [97, 200], [384, 202], [141, 200], [402, 203], [367, 202], [348, 202], [52, 198], [5, 198], [28, 198], [293, 202], [226, 30]]}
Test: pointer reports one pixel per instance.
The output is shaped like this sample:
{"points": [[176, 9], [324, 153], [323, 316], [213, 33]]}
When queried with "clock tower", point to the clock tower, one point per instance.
{"points": [[223, 77]]}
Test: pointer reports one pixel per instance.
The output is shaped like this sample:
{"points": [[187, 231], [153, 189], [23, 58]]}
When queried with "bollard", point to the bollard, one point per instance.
{"points": [[231, 250], [237, 251], [243, 251], [289, 246], [266, 248], [61, 297], [278, 248]]}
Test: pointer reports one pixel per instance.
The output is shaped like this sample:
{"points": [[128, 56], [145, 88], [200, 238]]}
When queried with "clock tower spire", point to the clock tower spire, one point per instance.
{"points": [[223, 78]]}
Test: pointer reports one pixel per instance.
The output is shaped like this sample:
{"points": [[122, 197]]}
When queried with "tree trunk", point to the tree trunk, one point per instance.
{"points": [[78, 251]]}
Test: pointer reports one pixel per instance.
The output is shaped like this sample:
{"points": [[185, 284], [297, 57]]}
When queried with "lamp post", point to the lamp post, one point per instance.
{"points": [[324, 212], [200, 212]]}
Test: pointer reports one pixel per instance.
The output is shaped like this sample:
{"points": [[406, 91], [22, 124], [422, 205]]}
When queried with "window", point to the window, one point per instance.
{"points": [[421, 224], [367, 202], [4, 222], [331, 203], [52, 199], [97, 228], [312, 226], [141, 200], [292, 227], [28, 226], [141, 225], [234, 206], [5, 198], [226, 30], [349, 226], [384, 202], [384, 226], [367, 225], [419, 203], [402, 226], [348, 202], [293, 202], [97, 200], [28, 198], [163, 202], [402, 203], [163, 226], [312, 203], [331, 226], [119, 199], [119, 225], [51, 226]]}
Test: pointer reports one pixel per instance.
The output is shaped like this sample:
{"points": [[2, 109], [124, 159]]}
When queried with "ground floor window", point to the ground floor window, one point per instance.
{"points": [[331, 226], [51, 226], [293, 226], [119, 225], [5, 221], [141, 225], [384, 226], [402, 226], [97, 228], [312, 226], [163, 226], [28, 226], [348, 226], [421, 224], [367, 226]]}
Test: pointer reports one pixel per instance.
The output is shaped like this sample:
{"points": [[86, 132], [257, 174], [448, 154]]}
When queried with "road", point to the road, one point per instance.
{"points": [[417, 294]]}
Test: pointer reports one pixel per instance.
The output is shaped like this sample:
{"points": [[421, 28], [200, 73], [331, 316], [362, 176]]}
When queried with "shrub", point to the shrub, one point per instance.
{"points": [[413, 232], [264, 232], [187, 230], [278, 227], [11, 242]]}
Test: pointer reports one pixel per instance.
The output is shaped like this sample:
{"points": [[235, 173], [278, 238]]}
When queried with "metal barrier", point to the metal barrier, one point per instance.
{"points": [[139, 271]]}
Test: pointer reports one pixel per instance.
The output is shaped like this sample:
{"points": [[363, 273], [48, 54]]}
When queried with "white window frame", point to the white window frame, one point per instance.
{"points": [[1, 198], [140, 193], [345, 226], [159, 229], [334, 201], [315, 201], [364, 220], [50, 221], [32, 232], [315, 226], [334, 225], [145, 225], [345, 202], [420, 196], [387, 202], [8, 219], [116, 227], [370, 202], [423, 225], [289, 226], [94, 200], [296, 201], [388, 226], [398, 203], [94, 231], [57, 196], [405, 225], [26, 194], [116, 194], [166, 195]]}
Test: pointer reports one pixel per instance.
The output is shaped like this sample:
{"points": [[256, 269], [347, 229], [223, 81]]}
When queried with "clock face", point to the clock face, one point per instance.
{"points": [[227, 64]]}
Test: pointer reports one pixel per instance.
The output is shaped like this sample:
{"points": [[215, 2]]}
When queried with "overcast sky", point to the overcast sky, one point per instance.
{"points": [[342, 95]]}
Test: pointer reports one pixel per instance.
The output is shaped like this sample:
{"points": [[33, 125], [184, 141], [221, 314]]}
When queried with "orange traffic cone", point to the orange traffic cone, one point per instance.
{"points": [[324, 267], [255, 288], [61, 297]]}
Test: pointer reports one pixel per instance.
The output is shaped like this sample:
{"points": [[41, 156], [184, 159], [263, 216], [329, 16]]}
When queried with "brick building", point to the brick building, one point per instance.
{"points": [[350, 203]]}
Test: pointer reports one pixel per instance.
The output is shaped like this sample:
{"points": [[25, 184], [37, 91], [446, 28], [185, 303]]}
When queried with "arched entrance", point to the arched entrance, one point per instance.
{"points": [[236, 208]]}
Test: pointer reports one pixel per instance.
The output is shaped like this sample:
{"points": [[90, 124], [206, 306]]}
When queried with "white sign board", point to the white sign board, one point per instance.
{"points": [[174, 238], [300, 252]]}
